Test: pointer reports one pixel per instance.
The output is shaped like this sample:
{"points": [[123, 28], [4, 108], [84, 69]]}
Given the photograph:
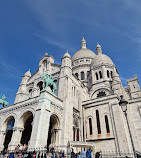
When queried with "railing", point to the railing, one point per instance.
{"points": [[116, 155], [34, 153]]}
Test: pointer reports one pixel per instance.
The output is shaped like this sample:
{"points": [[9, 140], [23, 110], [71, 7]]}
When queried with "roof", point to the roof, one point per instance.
{"points": [[101, 59]]}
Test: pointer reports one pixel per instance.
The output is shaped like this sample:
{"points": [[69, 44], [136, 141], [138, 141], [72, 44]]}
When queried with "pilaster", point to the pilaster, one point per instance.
{"points": [[2, 137], [41, 122], [16, 138]]}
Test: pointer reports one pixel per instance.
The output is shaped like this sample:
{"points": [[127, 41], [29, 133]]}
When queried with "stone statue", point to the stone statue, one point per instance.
{"points": [[3, 101], [48, 82]]}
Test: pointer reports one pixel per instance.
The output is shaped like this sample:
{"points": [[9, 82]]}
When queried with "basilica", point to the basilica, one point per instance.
{"points": [[76, 102]]}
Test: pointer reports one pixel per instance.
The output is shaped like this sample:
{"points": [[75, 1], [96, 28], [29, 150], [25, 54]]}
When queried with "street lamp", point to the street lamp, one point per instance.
{"points": [[123, 103]]}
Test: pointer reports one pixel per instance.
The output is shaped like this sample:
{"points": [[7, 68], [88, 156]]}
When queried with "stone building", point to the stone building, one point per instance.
{"points": [[84, 108]]}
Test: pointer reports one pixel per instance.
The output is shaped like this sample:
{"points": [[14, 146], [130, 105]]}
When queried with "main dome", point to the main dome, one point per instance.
{"points": [[83, 52]]}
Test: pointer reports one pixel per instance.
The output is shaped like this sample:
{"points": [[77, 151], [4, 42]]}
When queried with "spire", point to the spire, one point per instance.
{"points": [[98, 48], [83, 43], [28, 73]]}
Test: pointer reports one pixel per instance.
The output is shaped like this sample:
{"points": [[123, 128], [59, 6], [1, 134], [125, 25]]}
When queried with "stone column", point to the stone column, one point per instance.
{"points": [[16, 138], [2, 138], [104, 73]]}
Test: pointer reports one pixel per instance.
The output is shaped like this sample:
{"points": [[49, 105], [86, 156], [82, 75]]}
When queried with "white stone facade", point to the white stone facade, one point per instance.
{"points": [[85, 107]]}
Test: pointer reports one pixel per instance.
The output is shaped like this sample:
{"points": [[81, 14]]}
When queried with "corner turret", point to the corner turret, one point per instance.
{"points": [[66, 60]]}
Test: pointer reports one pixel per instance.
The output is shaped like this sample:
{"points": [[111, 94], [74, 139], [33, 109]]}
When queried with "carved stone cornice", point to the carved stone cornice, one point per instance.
{"points": [[18, 106], [18, 129], [58, 107]]}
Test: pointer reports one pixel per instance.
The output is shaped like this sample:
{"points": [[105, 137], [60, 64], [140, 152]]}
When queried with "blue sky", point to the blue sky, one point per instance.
{"points": [[30, 28]]}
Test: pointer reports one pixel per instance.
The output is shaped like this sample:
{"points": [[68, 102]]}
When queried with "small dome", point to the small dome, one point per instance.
{"points": [[28, 73], [101, 59], [67, 55]]}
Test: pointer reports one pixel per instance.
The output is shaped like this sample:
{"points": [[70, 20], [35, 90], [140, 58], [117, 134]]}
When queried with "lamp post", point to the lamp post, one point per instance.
{"points": [[123, 103]]}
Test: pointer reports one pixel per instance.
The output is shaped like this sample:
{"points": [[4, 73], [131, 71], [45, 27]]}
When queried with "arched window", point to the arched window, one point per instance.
{"points": [[108, 73], [73, 134], [76, 75], [30, 93], [88, 73], [107, 124], [111, 74], [96, 75], [98, 122], [90, 126], [77, 134], [82, 75], [100, 74], [45, 65], [40, 85]]}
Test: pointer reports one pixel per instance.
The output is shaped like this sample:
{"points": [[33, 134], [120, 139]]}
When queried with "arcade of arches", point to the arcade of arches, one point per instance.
{"points": [[22, 134], [19, 132]]}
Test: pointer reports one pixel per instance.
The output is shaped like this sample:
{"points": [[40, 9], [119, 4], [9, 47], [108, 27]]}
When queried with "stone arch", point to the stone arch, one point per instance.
{"points": [[22, 117], [53, 133], [7, 128], [96, 91], [24, 123], [39, 85], [6, 119]]}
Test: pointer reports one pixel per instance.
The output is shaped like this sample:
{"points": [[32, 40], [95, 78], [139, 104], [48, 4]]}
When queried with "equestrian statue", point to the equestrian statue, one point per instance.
{"points": [[48, 82], [3, 101]]}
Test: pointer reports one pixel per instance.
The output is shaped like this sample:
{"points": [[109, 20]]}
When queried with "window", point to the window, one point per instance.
{"points": [[96, 75], [77, 134], [30, 93], [45, 65], [100, 74], [90, 125], [82, 75], [98, 122], [111, 74], [40, 85], [108, 74], [76, 75], [101, 94], [107, 124], [88, 73], [73, 134]]}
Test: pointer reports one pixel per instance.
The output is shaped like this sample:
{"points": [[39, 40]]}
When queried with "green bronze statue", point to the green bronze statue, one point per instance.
{"points": [[48, 82], [3, 101]]}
